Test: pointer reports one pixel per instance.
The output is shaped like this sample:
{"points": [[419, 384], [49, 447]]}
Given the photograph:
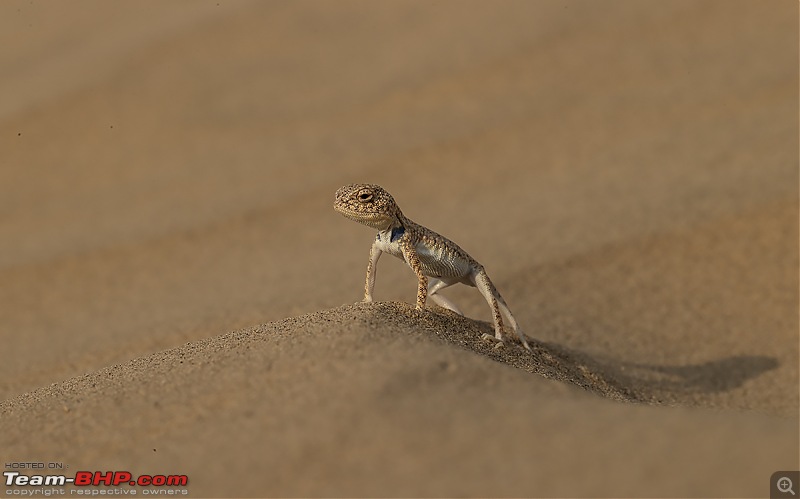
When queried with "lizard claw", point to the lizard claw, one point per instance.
{"points": [[497, 341]]}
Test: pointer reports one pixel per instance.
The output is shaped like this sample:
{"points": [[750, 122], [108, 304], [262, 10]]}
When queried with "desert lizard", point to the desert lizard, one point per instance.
{"points": [[429, 254]]}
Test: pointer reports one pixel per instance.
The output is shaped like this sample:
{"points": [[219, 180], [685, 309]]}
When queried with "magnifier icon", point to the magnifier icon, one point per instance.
{"points": [[785, 485]]}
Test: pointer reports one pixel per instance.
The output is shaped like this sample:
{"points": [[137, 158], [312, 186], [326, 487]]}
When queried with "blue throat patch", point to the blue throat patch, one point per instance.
{"points": [[397, 233]]}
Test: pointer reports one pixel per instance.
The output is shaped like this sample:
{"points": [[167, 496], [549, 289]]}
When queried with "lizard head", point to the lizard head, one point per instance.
{"points": [[367, 204]]}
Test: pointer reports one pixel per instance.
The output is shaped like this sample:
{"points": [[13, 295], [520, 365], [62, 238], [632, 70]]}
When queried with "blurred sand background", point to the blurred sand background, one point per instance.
{"points": [[626, 171]]}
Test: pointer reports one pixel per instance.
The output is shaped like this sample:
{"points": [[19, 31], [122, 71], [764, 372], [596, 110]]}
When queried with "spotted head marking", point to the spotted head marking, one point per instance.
{"points": [[368, 204]]}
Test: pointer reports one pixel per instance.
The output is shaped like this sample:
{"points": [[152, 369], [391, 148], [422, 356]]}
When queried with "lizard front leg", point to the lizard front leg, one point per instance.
{"points": [[412, 258], [369, 286]]}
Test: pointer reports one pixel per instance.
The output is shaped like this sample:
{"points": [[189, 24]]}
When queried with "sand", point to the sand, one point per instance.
{"points": [[179, 297]]}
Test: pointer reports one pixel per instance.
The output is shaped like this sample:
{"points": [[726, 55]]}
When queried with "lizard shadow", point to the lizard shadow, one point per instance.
{"points": [[660, 384], [665, 384], [714, 376], [619, 380]]}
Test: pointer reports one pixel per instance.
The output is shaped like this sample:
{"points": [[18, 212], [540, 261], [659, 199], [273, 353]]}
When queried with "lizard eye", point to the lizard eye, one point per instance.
{"points": [[365, 197]]}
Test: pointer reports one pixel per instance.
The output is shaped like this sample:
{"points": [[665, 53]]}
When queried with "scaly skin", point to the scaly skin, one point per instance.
{"points": [[430, 255]]}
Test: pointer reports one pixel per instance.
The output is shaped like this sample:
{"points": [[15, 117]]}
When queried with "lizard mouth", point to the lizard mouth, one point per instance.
{"points": [[374, 220]]}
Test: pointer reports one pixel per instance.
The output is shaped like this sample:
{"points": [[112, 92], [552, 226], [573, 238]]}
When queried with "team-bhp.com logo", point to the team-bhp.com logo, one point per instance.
{"points": [[95, 478]]}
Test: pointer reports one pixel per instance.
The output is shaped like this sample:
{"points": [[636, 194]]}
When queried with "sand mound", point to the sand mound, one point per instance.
{"points": [[382, 399]]}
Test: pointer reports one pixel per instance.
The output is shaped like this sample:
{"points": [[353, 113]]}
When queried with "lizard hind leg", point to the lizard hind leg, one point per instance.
{"points": [[489, 292], [497, 304], [512, 321], [437, 285]]}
